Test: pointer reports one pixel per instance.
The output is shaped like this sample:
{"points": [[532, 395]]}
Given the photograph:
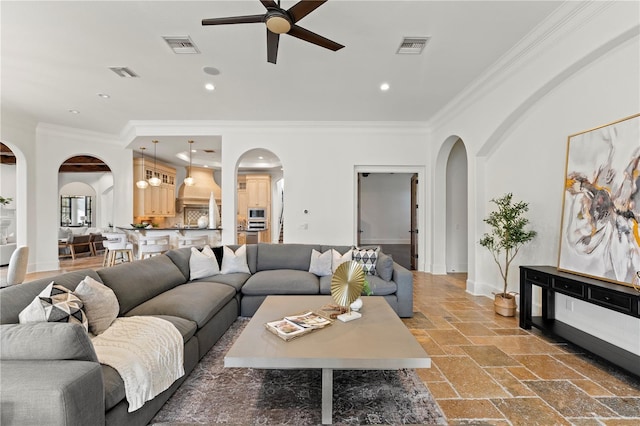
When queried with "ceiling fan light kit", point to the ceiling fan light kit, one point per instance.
{"points": [[142, 184], [154, 180], [189, 181], [280, 21]]}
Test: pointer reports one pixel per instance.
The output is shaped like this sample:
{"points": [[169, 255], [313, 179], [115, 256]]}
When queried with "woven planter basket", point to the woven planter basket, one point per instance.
{"points": [[505, 306]]}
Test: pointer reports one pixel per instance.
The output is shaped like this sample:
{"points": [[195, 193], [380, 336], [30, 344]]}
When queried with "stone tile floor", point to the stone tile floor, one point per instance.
{"points": [[486, 370]]}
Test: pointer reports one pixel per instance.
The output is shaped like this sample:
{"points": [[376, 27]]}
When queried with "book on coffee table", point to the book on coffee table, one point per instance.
{"points": [[294, 326]]}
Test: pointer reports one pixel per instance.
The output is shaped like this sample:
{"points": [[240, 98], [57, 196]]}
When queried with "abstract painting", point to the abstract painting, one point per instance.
{"points": [[601, 203]]}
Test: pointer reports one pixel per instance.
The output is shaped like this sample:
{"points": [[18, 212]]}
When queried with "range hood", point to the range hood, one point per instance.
{"points": [[198, 194]]}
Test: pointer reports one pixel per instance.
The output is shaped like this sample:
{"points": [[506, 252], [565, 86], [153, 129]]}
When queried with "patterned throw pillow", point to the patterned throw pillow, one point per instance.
{"points": [[55, 304], [367, 258]]}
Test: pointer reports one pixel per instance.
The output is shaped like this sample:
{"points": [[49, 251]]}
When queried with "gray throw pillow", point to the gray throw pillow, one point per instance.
{"points": [[100, 304], [384, 267]]}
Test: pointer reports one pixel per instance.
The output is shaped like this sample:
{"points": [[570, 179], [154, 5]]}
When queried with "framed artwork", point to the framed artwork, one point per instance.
{"points": [[599, 235]]}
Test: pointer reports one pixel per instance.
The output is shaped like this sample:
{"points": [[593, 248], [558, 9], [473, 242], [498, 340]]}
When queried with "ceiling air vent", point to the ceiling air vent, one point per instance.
{"points": [[209, 151], [181, 44], [123, 72], [412, 45]]}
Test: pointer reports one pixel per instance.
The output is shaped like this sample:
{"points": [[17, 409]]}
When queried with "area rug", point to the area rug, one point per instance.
{"points": [[213, 394]]}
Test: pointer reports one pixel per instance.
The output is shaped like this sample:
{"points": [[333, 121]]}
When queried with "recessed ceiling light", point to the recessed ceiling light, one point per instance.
{"points": [[384, 87], [194, 151], [74, 111], [206, 166], [261, 158], [104, 95], [209, 86]]}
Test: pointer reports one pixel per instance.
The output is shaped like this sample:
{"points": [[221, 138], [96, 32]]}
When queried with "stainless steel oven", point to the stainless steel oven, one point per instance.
{"points": [[256, 225]]}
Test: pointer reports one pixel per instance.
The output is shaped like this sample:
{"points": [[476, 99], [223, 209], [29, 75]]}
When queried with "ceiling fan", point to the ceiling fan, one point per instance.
{"points": [[281, 21]]}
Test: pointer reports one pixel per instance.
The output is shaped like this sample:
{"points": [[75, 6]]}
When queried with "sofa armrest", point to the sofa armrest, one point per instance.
{"points": [[51, 392], [45, 341], [404, 281]]}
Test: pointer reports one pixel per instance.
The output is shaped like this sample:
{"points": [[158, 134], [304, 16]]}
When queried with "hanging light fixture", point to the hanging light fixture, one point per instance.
{"points": [[142, 184], [189, 180], [154, 180]]}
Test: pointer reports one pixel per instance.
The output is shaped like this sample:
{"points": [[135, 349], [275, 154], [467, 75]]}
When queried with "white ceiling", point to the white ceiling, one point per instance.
{"points": [[56, 57]]}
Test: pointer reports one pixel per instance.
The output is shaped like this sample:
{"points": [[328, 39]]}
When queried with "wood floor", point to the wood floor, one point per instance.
{"points": [[488, 371]]}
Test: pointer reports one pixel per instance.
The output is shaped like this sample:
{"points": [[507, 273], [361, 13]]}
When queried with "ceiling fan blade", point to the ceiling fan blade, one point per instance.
{"points": [[311, 37], [273, 40], [303, 8], [269, 3], [249, 19]]}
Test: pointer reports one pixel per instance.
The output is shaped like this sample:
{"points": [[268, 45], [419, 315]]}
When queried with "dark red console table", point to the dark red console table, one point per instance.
{"points": [[619, 298]]}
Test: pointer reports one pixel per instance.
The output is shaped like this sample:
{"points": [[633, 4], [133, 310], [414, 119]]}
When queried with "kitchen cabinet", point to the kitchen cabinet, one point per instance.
{"points": [[154, 201], [258, 190]]}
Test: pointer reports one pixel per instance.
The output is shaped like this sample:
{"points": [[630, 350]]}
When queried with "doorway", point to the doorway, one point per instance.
{"points": [[388, 216]]}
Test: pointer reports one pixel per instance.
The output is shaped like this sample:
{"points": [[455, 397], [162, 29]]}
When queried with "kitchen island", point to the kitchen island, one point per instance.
{"points": [[214, 235]]}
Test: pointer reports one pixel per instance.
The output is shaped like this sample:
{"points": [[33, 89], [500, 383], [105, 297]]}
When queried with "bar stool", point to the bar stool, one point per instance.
{"points": [[151, 245], [116, 245], [193, 241]]}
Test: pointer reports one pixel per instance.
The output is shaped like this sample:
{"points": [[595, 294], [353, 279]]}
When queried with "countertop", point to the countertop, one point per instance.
{"points": [[193, 228]]}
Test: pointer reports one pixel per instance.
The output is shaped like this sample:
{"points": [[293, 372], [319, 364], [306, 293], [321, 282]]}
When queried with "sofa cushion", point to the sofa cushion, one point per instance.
{"points": [[136, 282], [113, 387], [15, 298], [281, 281], [284, 256], [235, 280], [55, 304], [384, 267], [367, 258], [195, 301], [100, 304], [379, 286]]}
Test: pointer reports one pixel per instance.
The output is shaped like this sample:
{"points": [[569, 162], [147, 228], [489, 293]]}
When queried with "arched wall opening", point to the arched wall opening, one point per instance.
{"points": [[259, 200], [8, 203], [87, 176], [450, 214]]}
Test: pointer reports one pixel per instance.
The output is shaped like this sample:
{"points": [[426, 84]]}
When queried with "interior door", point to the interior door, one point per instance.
{"points": [[414, 221]]}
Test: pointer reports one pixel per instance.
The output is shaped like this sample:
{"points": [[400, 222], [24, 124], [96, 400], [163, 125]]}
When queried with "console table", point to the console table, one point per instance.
{"points": [[615, 297]]}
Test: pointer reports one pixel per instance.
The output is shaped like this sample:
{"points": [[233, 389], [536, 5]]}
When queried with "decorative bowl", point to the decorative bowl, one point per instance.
{"points": [[139, 225]]}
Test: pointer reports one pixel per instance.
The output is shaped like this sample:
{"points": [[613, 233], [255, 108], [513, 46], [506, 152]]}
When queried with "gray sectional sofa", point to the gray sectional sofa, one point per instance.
{"points": [[49, 372]]}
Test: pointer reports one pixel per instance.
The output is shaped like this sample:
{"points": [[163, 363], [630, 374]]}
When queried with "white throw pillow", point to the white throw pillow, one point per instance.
{"points": [[54, 304], [203, 263], [321, 263], [100, 304], [339, 259], [235, 262]]}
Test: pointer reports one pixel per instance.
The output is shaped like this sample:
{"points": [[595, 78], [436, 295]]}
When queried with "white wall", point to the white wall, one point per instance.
{"points": [[56, 144], [385, 208], [319, 162], [576, 77]]}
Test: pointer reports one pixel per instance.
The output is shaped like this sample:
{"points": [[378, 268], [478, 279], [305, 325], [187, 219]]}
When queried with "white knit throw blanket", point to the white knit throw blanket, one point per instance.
{"points": [[147, 352]]}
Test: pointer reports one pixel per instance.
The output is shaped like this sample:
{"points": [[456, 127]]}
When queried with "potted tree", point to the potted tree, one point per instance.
{"points": [[507, 236]]}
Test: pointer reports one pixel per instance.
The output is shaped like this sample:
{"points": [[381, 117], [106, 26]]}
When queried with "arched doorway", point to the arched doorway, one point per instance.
{"points": [[80, 177], [8, 197], [260, 197]]}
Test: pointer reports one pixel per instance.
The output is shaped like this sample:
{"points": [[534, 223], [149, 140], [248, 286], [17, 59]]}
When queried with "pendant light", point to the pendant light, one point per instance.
{"points": [[188, 181], [142, 184], [154, 180]]}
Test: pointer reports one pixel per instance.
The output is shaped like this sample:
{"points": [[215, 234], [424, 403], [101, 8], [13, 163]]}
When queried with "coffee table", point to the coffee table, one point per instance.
{"points": [[377, 341]]}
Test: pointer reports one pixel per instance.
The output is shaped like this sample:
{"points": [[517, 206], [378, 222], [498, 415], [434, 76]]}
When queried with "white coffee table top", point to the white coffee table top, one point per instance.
{"points": [[377, 341]]}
